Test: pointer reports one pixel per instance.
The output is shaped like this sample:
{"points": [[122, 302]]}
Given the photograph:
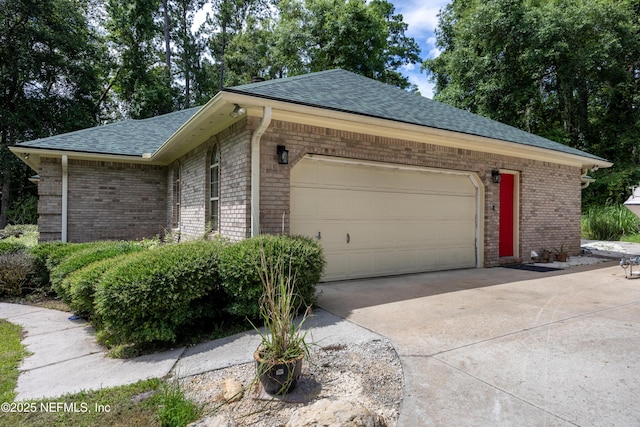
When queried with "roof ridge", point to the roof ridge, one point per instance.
{"points": [[283, 79]]}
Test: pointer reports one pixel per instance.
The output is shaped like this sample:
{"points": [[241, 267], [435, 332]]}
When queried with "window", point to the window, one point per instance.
{"points": [[176, 197], [214, 186]]}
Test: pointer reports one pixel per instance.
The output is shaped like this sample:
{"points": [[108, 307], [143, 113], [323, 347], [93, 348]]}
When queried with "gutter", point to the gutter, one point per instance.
{"points": [[255, 170]]}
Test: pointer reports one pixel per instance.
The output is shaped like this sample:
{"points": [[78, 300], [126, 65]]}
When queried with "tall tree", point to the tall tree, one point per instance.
{"points": [[564, 69], [230, 19], [50, 80], [189, 47], [364, 37], [142, 79]]}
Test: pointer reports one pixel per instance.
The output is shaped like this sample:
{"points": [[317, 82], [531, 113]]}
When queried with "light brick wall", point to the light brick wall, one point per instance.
{"points": [[50, 200], [193, 203], [235, 181], [549, 193], [106, 200]]}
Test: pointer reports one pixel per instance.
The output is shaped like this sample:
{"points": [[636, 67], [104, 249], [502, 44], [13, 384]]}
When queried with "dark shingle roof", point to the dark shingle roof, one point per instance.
{"points": [[334, 89], [128, 137], [345, 91]]}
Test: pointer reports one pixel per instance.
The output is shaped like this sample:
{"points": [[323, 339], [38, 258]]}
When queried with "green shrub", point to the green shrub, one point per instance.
{"points": [[156, 295], [11, 247], [27, 232], [49, 254], [240, 267], [16, 271], [81, 258], [608, 223]]}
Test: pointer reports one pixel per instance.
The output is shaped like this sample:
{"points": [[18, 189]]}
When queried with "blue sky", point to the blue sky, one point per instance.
{"points": [[422, 18]]}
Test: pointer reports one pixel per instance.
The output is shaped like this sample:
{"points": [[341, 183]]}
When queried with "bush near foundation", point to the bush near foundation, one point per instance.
{"points": [[240, 267], [11, 247], [16, 272], [76, 261], [47, 256], [160, 295]]}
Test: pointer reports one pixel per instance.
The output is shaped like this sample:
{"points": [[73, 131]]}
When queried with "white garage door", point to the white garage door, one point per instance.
{"points": [[378, 219]]}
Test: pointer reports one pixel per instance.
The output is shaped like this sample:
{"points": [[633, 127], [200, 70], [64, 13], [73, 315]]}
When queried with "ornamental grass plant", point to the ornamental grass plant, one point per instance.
{"points": [[283, 338]]}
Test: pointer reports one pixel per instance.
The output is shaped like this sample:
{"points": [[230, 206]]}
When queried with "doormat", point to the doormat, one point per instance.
{"points": [[530, 267]]}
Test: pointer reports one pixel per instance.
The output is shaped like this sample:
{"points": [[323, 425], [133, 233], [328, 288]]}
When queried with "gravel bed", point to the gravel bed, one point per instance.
{"points": [[369, 374]]}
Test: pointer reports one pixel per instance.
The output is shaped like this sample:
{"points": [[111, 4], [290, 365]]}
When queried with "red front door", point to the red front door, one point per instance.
{"points": [[507, 192]]}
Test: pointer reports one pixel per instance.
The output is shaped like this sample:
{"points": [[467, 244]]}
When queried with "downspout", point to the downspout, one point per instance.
{"points": [[255, 170], [65, 196]]}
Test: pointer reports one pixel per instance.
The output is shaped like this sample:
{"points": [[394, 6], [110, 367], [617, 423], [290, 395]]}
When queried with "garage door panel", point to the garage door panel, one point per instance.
{"points": [[397, 220]]}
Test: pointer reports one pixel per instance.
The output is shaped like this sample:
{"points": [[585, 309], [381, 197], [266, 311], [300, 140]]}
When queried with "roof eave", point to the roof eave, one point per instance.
{"points": [[31, 156], [360, 123]]}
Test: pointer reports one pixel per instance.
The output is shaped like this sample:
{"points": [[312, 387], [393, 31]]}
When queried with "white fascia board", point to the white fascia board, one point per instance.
{"points": [[339, 120]]}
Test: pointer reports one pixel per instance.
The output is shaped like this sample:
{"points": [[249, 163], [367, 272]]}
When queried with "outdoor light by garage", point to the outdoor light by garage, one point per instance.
{"points": [[283, 155], [238, 111], [495, 176]]}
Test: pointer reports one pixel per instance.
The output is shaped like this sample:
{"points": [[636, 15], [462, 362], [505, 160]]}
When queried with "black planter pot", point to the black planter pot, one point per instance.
{"points": [[278, 378]]}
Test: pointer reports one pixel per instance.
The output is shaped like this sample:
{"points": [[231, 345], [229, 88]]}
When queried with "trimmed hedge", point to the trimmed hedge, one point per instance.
{"points": [[48, 255], [80, 287], [156, 295], [240, 266], [11, 247], [77, 260]]}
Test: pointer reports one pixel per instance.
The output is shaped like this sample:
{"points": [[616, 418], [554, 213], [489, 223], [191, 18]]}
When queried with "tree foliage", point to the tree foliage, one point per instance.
{"points": [[72, 64], [367, 38], [51, 63], [565, 69]]}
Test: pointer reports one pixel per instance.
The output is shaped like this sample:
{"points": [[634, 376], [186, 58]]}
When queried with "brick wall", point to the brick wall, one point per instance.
{"points": [[99, 208], [194, 200], [549, 193], [106, 200], [50, 200], [235, 181]]}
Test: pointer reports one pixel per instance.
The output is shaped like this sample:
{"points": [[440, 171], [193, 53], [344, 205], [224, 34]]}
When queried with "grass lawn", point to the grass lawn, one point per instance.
{"points": [[151, 402], [11, 353], [633, 238]]}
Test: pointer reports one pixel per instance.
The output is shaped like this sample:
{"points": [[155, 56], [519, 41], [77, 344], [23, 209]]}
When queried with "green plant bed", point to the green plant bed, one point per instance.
{"points": [[609, 223]]}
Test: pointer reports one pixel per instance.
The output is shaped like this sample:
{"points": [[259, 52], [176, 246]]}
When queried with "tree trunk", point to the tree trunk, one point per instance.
{"points": [[167, 33]]}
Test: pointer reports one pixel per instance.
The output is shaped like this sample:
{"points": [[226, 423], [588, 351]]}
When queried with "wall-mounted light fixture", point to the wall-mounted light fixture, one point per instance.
{"points": [[495, 176], [238, 111], [25, 155], [283, 155]]}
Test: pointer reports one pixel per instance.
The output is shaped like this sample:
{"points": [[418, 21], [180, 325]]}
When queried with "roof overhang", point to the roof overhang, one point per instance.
{"points": [[215, 116]]}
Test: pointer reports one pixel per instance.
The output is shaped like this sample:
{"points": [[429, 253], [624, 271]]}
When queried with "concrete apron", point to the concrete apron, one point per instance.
{"points": [[507, 347]]}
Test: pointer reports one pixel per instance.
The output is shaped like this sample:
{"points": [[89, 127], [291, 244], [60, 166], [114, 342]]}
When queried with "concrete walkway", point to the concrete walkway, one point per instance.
{"points": [[491, 347], [67, 359]]}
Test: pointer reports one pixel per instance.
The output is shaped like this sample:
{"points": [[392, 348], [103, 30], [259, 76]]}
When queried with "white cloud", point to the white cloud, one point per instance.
{"points": [[421, 17]]}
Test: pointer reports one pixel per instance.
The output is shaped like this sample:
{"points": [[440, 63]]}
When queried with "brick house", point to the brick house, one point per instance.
{"points": [[388, 181]]}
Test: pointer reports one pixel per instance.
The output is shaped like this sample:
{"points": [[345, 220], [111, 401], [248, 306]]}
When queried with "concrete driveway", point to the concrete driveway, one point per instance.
{"points": [[491, 347]]}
